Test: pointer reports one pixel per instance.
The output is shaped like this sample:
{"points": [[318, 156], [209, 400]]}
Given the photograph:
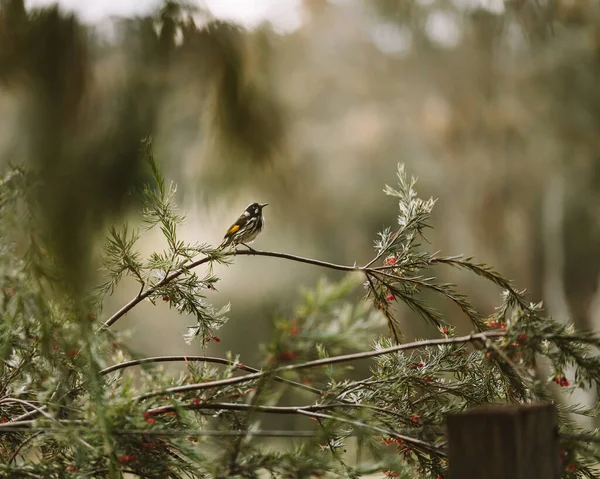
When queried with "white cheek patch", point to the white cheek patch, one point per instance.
{"points": [[246, 213]]}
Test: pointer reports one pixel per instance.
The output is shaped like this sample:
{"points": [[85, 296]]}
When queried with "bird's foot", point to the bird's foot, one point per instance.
{"points": [[248, 246]]}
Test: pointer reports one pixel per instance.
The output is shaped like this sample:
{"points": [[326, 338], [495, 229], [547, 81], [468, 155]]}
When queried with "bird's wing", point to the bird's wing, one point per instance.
{"points": [[241, 221]]}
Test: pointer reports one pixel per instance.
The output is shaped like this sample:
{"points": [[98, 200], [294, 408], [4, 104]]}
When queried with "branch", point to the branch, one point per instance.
{"points": [[143, 295], [310, 411], [298, 259], [208, 359], [280, 409], [324, 361], [29, 425], [167, 279]]}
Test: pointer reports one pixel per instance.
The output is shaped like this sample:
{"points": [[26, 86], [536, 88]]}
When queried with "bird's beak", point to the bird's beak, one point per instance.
{"points": [[264, 204]]}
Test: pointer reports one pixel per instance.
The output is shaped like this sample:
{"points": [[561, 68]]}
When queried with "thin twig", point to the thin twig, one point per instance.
{"points": [[334, 453], [35, 409], [28, 424], [27, 415], [237, 448], [23, 443], [392, 326], [387, 432], [516, 368], [323, 362], [383, 251]]}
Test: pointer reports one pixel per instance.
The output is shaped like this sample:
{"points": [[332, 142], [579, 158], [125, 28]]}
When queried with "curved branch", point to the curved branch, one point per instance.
{"points": [[142, 295], [323, 362], [175, 274], [298, 259], [208, 359]]}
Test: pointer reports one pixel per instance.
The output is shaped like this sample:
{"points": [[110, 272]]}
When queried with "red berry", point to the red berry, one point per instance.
{"points": [[217, 339], [427, 379], [165, 298], [522, 338], [287, 355], [571, 468], [196, 400], [444, 330], [150, 420], [415, 419], [3, 420], [421, 365], [73, 352], [91, 316], [123, 459]]}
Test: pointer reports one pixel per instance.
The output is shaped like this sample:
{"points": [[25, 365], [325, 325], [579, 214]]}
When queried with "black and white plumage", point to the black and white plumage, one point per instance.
{"points": [[246, 228]]}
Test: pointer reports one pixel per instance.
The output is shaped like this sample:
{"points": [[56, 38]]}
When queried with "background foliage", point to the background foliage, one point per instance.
{"points": [[491, 104]]}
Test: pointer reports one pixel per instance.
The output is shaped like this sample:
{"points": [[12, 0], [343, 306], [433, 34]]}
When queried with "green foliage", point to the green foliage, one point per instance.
{"points": [[166, 275], [70, 405]]}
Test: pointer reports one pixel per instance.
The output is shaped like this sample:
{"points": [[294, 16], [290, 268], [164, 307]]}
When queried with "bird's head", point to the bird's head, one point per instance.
{"points": [[255, 208]]}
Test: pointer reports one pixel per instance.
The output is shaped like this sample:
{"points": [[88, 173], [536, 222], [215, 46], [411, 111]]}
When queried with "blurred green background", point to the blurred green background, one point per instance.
{"points": [[493, 104]]}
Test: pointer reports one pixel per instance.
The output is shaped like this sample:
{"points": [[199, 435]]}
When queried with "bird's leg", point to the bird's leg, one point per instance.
{"points": [[247, 246]]}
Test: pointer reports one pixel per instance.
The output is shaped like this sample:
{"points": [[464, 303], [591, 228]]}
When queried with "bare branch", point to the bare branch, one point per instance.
{"points": [[174, 275], [207, 359], [324, 362], [310, 411]]}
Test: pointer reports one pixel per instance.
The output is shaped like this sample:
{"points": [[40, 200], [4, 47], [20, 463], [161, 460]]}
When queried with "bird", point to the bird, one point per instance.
{"points": [[246, 228]]}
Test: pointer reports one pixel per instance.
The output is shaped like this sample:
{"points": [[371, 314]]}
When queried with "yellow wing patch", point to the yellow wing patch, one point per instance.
{"points": [[233, 229]]}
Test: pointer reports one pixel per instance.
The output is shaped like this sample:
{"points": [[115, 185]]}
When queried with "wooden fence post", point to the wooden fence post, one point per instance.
{"points": [[504, 442]]}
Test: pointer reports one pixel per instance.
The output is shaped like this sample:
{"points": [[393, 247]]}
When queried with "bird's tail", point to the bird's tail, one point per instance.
{"points": [[223, 244]]}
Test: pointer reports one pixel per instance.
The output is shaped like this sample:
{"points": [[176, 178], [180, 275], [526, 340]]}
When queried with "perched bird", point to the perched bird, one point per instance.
{"points": [[246, 228]]}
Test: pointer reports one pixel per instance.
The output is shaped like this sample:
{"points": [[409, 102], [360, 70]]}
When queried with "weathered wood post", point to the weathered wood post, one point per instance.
{"points": [[504, 442]]}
